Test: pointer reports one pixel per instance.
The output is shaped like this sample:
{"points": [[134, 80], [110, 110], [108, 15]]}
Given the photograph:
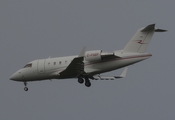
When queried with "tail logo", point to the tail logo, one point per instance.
{"points": [[140, 42]]}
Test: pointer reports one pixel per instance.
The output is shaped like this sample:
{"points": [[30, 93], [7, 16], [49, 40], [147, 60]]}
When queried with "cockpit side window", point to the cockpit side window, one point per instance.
{"points": [[28, 65]]}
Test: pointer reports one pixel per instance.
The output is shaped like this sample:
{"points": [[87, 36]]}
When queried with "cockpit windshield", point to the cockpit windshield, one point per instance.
{"points": [[28, 65]]}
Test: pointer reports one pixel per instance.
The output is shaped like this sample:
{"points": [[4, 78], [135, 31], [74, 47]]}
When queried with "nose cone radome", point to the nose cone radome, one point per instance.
{"points": [[16, 76]]}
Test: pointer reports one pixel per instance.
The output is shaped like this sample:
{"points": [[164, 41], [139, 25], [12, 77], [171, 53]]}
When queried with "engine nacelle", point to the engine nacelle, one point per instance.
{"points": [[97, 55]]}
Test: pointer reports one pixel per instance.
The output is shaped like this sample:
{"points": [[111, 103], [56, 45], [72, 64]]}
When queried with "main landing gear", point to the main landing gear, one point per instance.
{"points": [[80, 80], [25, 88], [86, 79]]}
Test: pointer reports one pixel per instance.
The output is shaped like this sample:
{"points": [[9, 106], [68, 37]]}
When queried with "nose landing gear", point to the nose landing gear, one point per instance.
{"points": [[25, 88]]}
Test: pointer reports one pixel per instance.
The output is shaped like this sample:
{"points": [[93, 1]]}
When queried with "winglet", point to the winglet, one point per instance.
{"points": [[82, 52], [124, 73]]}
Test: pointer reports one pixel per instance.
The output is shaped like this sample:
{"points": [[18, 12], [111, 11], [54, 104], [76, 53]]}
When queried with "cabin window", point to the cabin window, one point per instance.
{"points": [[60, 62], [28, 65], [65, 62], [54, 63]]}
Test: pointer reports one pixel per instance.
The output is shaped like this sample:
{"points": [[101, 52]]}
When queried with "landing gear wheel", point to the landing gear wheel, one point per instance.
{"points": [[26, 88], [88, 84], [80, 80]]}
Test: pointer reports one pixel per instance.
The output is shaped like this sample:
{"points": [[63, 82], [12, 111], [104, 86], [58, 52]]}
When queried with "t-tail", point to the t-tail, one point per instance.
{"points": [[139, 42]]}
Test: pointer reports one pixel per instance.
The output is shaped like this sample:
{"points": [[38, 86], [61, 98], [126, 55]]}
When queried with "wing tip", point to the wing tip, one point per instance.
{"points": [[124, 72], [82, 52]]}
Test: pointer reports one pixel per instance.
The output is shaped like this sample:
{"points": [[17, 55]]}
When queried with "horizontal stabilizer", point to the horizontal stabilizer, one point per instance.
{"points": [[111, 77], [160, 30], [151, 28]]}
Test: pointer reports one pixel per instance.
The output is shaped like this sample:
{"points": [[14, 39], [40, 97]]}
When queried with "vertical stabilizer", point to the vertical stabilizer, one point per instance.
{"points": [[139, 42]]}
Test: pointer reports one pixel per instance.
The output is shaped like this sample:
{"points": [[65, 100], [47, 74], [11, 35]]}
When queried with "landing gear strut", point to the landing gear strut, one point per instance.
{"points": [[25, 88]]}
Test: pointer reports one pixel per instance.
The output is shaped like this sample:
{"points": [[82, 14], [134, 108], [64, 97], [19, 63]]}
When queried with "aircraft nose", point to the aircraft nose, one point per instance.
{"points": [[16, 76]]}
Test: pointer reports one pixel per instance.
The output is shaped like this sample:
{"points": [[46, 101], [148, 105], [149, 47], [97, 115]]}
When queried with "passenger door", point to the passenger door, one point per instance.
{"points": [[41, 66]]}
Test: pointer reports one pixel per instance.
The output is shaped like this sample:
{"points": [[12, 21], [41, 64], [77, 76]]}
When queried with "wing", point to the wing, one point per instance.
{"points": [[75, 68], [112, 77]]}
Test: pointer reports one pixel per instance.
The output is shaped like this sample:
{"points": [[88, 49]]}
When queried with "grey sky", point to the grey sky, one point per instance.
{"points": [[38, 29]]}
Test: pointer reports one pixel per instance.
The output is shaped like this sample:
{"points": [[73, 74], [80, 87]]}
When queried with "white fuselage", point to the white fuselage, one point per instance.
{"points": [[88, 64], [50, 68]]}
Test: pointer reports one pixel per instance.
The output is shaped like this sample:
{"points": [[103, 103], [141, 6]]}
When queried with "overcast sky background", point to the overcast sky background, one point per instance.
{"points": [[33, 29]]}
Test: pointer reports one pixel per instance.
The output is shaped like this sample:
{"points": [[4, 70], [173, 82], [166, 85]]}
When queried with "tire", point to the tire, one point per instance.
{"points": [[88, 84], [26, 89], [81, 80]]}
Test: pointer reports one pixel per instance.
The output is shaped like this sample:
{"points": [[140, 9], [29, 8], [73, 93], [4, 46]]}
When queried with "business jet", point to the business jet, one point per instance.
{"points": [[89, 65]]}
